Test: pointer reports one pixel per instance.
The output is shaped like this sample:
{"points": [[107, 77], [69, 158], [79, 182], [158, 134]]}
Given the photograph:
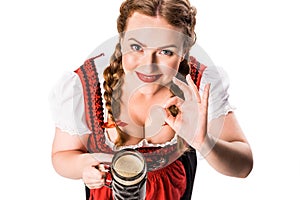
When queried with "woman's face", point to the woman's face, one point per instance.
{"points": [[152, 50]]}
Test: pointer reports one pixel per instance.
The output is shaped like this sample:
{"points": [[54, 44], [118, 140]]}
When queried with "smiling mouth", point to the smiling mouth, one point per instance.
{"points": [[148, 78]]}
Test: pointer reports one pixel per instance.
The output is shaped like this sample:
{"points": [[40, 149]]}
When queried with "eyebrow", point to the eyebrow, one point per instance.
{"points": [[143, 45]]}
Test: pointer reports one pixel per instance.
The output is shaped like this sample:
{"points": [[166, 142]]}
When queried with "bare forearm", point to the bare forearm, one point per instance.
{"points": [[229, 158], [71, 163]]}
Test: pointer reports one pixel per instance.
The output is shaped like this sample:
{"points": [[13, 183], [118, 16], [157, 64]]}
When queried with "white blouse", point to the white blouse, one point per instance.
{"points": [[67, 100]]}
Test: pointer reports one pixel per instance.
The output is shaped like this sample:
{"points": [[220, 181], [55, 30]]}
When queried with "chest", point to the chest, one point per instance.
{"points": [[144, 119]]}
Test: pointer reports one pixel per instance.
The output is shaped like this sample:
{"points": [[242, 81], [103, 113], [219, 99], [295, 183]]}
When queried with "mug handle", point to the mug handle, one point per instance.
{"points": [[108, 177], [108, 180]]}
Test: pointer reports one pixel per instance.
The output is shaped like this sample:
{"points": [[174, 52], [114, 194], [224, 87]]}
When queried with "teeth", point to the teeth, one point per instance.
{"points": [[148, 78]]}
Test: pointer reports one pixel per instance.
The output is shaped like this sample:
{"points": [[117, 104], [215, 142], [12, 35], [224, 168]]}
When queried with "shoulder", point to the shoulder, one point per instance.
{"points": [[202, 73], [66, 104]]}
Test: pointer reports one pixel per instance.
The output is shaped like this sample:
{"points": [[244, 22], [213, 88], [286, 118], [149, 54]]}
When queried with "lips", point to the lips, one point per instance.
{"points": [[148, 78]]}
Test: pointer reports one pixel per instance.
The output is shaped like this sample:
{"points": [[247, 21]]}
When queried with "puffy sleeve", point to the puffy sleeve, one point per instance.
{"points": [[67, 105], [218, 98]]}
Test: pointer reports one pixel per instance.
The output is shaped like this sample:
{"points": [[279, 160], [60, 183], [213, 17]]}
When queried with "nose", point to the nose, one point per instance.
{"points": [[149, 61]]}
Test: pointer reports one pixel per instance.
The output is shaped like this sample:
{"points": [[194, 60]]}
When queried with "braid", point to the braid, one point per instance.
{"points": [[112, 85]]}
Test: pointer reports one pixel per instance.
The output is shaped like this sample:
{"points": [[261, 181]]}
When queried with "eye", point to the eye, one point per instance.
{"points": [[136, 47], [167, 52]]}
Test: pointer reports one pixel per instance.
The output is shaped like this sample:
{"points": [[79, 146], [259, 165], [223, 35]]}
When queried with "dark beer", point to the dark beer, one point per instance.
{"points": [[129, 175]]}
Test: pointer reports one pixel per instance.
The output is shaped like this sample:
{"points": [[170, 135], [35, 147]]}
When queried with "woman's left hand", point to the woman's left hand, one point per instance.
{"points": [[191, 120]]}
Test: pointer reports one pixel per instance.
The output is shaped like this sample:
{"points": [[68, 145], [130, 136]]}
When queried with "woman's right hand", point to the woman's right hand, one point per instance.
{"points": [[94, 176]]}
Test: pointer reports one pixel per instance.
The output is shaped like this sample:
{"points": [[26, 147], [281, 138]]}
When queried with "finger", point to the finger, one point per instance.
{"points": [[194, 88], [176, 101], [206, 95], [89, 181], [94, 185], [103, 174], [103, 167], [188, 93], [94, 174], [102, 170], [173, 122], [95, 181]]}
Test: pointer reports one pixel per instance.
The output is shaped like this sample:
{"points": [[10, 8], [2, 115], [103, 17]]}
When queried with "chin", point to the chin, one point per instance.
{"points": [[150, 88]]}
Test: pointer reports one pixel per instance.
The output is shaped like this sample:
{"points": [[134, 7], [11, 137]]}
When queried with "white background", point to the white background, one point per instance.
{"points": [[256, 42]]}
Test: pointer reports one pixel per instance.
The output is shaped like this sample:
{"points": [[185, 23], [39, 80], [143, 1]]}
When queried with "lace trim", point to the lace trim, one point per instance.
{"points": [[142, 143], [227, 109]]}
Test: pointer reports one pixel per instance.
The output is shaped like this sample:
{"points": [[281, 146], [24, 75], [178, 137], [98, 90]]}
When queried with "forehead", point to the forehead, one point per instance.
{"points": [[154, 31], [138, 21], [155, 37]]}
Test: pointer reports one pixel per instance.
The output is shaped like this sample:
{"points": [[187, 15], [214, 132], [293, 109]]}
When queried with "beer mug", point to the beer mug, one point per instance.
{"points": [[127, 175]]}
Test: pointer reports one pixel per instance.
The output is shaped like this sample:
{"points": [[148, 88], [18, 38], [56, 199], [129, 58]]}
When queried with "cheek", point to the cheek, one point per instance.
{"points": [[128, 63], [172, 67]]}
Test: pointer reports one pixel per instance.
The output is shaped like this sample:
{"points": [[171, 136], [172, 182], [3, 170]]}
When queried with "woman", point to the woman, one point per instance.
{"points": [[155, 37]]}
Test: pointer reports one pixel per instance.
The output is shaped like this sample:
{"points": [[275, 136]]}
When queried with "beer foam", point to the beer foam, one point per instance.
{"points": [[128, 166]]}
